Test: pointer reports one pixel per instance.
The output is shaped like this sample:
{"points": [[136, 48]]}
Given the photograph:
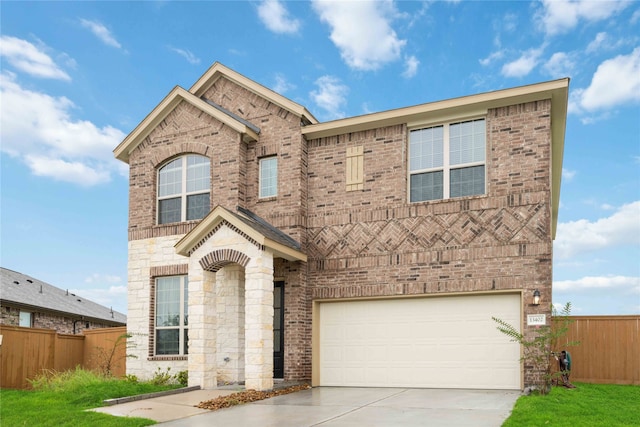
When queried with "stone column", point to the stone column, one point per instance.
{"points": [[230, 310], [259, 323], [202, 328]]}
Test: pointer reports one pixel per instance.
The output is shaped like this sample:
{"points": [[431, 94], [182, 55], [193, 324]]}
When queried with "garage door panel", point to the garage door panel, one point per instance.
{"points": [[420, 342]]}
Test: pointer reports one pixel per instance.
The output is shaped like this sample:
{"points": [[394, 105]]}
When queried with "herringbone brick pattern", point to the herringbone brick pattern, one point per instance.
{"points": [[523, 224]]}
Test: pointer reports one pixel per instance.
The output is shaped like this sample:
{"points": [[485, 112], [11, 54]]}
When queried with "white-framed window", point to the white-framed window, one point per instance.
{"points": [[447, 161], [172, 316], [25, 319], [268, 177], [184, 186]]}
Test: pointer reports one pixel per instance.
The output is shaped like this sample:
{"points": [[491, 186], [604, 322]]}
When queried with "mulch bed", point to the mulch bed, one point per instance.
{"points": [[247, 396]]}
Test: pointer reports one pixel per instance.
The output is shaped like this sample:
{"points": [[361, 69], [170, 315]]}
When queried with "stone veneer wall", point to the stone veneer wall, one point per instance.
{"points": [[149, 258]]}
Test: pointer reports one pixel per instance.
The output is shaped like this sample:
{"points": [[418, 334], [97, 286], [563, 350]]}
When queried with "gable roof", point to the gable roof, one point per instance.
{"points": [[195, 97], [248, 223], [30, 293], [248, 131], [217, 70]]}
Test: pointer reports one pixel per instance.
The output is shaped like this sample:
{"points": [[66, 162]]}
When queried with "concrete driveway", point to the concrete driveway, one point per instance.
{"points": [[342, 406]]}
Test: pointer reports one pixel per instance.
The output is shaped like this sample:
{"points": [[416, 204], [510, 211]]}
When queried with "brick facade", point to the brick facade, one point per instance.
{"points": [[363, 243]]}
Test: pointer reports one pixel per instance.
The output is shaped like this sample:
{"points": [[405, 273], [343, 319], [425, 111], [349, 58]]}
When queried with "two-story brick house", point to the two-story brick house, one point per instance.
{"points": [[366, 251]]}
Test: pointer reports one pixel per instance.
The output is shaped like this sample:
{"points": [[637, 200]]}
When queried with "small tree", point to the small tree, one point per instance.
{"points": [[537, 349], [107, 358]]}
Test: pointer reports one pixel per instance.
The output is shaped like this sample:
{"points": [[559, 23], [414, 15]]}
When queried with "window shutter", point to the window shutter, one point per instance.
{"points": [[355, 168]]}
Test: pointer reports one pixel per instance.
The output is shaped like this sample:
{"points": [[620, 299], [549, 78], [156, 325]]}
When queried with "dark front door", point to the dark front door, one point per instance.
{"points": [[278, 330]]}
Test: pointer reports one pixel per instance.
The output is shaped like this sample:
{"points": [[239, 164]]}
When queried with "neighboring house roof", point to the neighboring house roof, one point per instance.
{"points": [[18, 289], [248, 223], [467, 106]]}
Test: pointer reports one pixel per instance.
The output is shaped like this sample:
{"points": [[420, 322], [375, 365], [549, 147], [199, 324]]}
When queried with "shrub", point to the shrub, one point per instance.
{"points": [[183, 378]]}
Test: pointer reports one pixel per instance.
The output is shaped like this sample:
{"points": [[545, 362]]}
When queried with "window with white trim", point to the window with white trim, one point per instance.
{"points": [[447, 161], [26, 319], [268, 177], [172, 316], [184, 186]]}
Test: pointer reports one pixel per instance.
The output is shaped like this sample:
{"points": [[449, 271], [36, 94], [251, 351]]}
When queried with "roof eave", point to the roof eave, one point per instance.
{"points": [[176, 96], [467, 105], [31, 307], [219, 214]]}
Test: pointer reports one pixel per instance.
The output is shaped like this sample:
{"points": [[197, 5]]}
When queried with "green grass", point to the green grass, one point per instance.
{"points": [[62, 400], [592, 405]]}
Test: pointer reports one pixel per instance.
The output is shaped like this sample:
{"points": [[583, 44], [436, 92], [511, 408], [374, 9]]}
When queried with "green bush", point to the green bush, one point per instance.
{"points": [[183, 378]]}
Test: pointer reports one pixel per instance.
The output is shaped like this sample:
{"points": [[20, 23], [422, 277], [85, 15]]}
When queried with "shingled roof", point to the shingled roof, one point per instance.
{"points": [[25, 291]]}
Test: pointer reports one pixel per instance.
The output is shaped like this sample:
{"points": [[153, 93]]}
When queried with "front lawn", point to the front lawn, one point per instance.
{"points": [[591, 405], [64, 403]]}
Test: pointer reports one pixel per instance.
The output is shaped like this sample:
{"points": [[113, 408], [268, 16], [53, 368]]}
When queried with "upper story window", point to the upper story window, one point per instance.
{"points": [[184, 185], [269, 177], [172, 317], [447, 161]]}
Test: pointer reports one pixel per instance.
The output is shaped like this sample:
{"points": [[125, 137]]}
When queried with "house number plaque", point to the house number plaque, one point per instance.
{"points": [[536, 319]]}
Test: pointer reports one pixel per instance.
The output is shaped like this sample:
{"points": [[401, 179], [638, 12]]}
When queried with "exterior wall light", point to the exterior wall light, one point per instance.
{"points": [[536, 297]]}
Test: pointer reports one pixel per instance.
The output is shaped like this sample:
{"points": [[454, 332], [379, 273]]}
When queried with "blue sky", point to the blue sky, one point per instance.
{"points": [[77, 77]]}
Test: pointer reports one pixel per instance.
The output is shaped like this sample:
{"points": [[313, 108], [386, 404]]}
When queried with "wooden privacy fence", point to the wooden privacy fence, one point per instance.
{"points": [[27, 352], [609, 349]]}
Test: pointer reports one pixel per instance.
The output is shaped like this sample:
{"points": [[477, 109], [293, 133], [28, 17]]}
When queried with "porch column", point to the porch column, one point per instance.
{"points": [[259, 323], [202, 328]]}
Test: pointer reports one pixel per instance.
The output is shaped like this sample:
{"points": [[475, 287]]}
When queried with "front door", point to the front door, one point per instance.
{"points": [[278, 330]]}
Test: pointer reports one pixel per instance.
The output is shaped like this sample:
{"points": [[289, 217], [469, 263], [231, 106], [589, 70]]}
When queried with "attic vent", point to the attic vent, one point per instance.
{"points": [[29, 280], [16, 282], [79, 300]]}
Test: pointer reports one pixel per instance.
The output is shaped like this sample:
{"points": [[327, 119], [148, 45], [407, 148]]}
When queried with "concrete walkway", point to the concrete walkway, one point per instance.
{"points": [[336, 407]]}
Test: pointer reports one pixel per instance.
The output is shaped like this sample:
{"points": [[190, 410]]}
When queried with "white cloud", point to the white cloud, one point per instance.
{"points": [[523, 65], [189, 56], [276, 17], [282, 85], [28, 58], [100, 31], [560, 16], [616, 81], [560, 65], [568, 174], [330, 96], [492, 57], [102, 278], [67, 171], [621, 228], [411, 67], [631, 284], [597, 43], [362, 32], [39, 130]]}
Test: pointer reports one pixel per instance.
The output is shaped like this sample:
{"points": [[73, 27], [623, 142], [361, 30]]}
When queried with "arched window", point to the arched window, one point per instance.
{"points": [[184, 185]]}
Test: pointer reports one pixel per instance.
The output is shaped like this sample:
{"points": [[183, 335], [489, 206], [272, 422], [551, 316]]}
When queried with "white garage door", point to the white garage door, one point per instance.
{"points": [[439, 342]]}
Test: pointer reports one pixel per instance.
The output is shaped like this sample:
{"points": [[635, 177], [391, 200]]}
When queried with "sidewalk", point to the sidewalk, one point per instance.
{"points": [[169, 407], [175, 404]]}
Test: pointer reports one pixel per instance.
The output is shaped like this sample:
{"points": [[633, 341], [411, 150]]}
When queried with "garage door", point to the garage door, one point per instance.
{"points": [[440, 342]]}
